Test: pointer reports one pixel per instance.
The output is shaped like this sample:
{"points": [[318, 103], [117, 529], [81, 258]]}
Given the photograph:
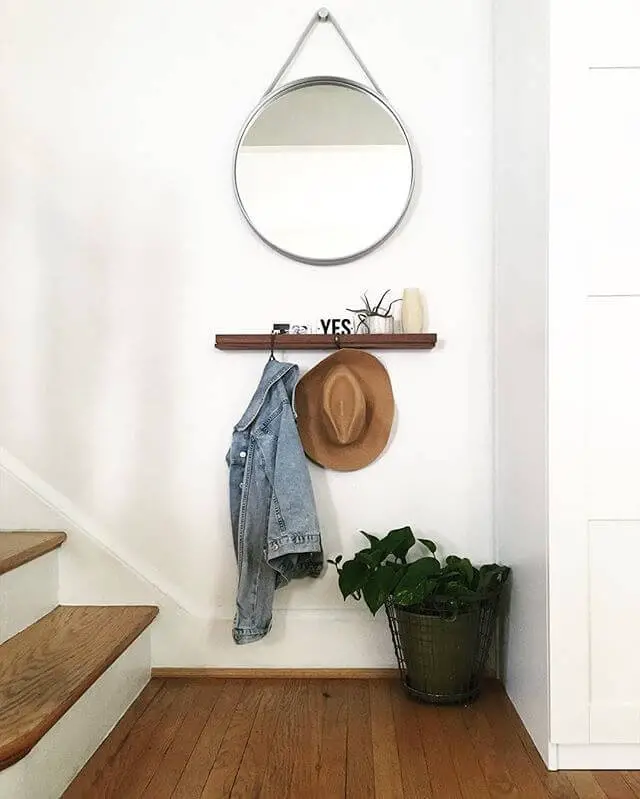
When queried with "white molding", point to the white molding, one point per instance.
{"points": [[551, 759], [89, 527], [595, 757], [53, 763], [614, 722]]}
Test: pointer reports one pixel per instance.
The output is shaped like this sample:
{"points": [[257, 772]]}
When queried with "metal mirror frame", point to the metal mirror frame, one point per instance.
{"points": [[324, 80]]}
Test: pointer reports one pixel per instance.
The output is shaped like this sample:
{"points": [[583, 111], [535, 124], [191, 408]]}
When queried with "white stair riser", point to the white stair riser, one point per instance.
{"points": [[28, 593], [53, 763]]}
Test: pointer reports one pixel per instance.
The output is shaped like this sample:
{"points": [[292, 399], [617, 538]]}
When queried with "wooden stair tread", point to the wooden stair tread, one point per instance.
{"points": [[48, 666], [17, 548]]}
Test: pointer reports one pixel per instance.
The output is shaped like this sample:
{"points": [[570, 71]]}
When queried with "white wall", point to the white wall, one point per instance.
{"points": [[521, 236], [122, 252]]}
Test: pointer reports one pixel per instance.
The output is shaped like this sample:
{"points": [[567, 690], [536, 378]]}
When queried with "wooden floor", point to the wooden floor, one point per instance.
{"points": [[325, 738]]}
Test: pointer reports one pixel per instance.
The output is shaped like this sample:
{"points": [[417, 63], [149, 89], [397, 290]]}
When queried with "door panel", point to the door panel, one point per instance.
{"points": [[612, 173], [613, 408], [614, 551]]}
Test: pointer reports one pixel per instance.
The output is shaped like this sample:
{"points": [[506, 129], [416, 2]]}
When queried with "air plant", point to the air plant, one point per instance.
{"points": [[372, 310]]}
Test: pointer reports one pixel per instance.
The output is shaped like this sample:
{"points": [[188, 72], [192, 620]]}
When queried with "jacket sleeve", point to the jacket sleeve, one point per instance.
{"points": [[294, 547]]}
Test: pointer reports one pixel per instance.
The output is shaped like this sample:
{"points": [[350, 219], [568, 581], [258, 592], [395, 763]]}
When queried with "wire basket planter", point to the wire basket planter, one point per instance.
{"points": [[442, 645]]}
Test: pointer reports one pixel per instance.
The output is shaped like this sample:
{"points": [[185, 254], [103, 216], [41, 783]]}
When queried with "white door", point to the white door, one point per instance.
{"points": [[594, 390]]}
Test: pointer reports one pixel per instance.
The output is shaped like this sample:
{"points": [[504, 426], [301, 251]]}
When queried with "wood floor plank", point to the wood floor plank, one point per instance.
{"points": [[161, 739], [413, 765], [437, 754], [198, 704], [304, 776], [47, 667], [119, 769], [286, 742], [196, 772], [360, 784], [585, 785], [231, 751], [496, 772], [470, 776], [82, 785], [632, 778], [509, 747], [556, 783], [386, 760], [253, 765], [614, 785], [332, 777]]}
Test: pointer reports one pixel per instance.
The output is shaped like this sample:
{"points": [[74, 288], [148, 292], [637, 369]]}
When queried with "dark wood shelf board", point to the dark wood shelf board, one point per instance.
{"points": [[293, 341]]}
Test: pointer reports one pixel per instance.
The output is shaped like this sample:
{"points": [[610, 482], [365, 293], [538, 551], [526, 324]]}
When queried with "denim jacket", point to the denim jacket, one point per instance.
{"points": [[273, 515]]}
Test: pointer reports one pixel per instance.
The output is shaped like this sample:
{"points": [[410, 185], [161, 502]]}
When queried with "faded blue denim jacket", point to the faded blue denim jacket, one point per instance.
{"points": [[273, 514]]}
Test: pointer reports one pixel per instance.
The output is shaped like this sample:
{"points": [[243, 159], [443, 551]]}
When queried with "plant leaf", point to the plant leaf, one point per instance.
{"points": [[458, 589], [380, 301], [418, 581], [428, 544], [392, 303], [372, 539], [476, 579], [397, 542], [372, 557], [376, 590], [353, 576], [466, 569], [491, 576]]}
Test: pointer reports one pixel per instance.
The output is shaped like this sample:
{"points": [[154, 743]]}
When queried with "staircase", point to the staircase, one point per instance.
{"points": [[67, 674]]}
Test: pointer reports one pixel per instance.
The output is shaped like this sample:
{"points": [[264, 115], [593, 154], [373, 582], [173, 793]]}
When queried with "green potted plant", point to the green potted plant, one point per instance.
{"points": [[442, 614]]}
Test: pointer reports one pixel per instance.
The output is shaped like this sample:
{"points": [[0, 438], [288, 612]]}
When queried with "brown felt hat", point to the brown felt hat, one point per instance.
{"points": [[345, 410]]}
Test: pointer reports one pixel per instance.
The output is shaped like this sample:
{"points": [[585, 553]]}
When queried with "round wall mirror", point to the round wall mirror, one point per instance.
{"points": [[324, 170]]}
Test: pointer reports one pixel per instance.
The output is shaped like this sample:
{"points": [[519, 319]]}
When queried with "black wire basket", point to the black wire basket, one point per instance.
{"points": [[442, 645]]}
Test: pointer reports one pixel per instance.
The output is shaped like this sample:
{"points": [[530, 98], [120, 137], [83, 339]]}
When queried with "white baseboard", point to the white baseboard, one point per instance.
{"points": [[594, 757], [348, 638], [52, 764]]}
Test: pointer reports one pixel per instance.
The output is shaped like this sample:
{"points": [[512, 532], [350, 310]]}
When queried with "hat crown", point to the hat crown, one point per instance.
{"points": [[344, 406]]}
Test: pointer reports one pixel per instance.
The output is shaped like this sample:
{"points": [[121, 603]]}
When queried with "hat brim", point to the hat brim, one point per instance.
{"points": [[376, 387]]}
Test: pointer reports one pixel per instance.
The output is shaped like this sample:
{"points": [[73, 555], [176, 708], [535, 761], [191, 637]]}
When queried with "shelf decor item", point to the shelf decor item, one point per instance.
{"points": [[373, 319], [412, 311], [442, 614]]}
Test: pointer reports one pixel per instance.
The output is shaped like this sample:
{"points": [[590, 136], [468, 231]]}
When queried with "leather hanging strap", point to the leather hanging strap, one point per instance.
{"points": [[322, 15]]}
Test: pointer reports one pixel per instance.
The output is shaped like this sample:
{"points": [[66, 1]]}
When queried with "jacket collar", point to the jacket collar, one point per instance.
{"points": [[273, 372]]}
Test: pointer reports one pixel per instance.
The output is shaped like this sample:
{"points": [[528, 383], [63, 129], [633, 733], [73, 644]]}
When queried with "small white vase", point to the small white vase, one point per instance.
{"points": [[412, 311], [374, 324]]}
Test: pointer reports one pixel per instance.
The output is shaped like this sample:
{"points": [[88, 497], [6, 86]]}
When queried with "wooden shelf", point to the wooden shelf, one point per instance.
{"points": [[294, 341]]}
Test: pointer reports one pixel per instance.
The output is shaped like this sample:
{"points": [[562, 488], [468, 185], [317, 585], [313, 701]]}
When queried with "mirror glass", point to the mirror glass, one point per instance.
{"points": [[324, 170]]}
